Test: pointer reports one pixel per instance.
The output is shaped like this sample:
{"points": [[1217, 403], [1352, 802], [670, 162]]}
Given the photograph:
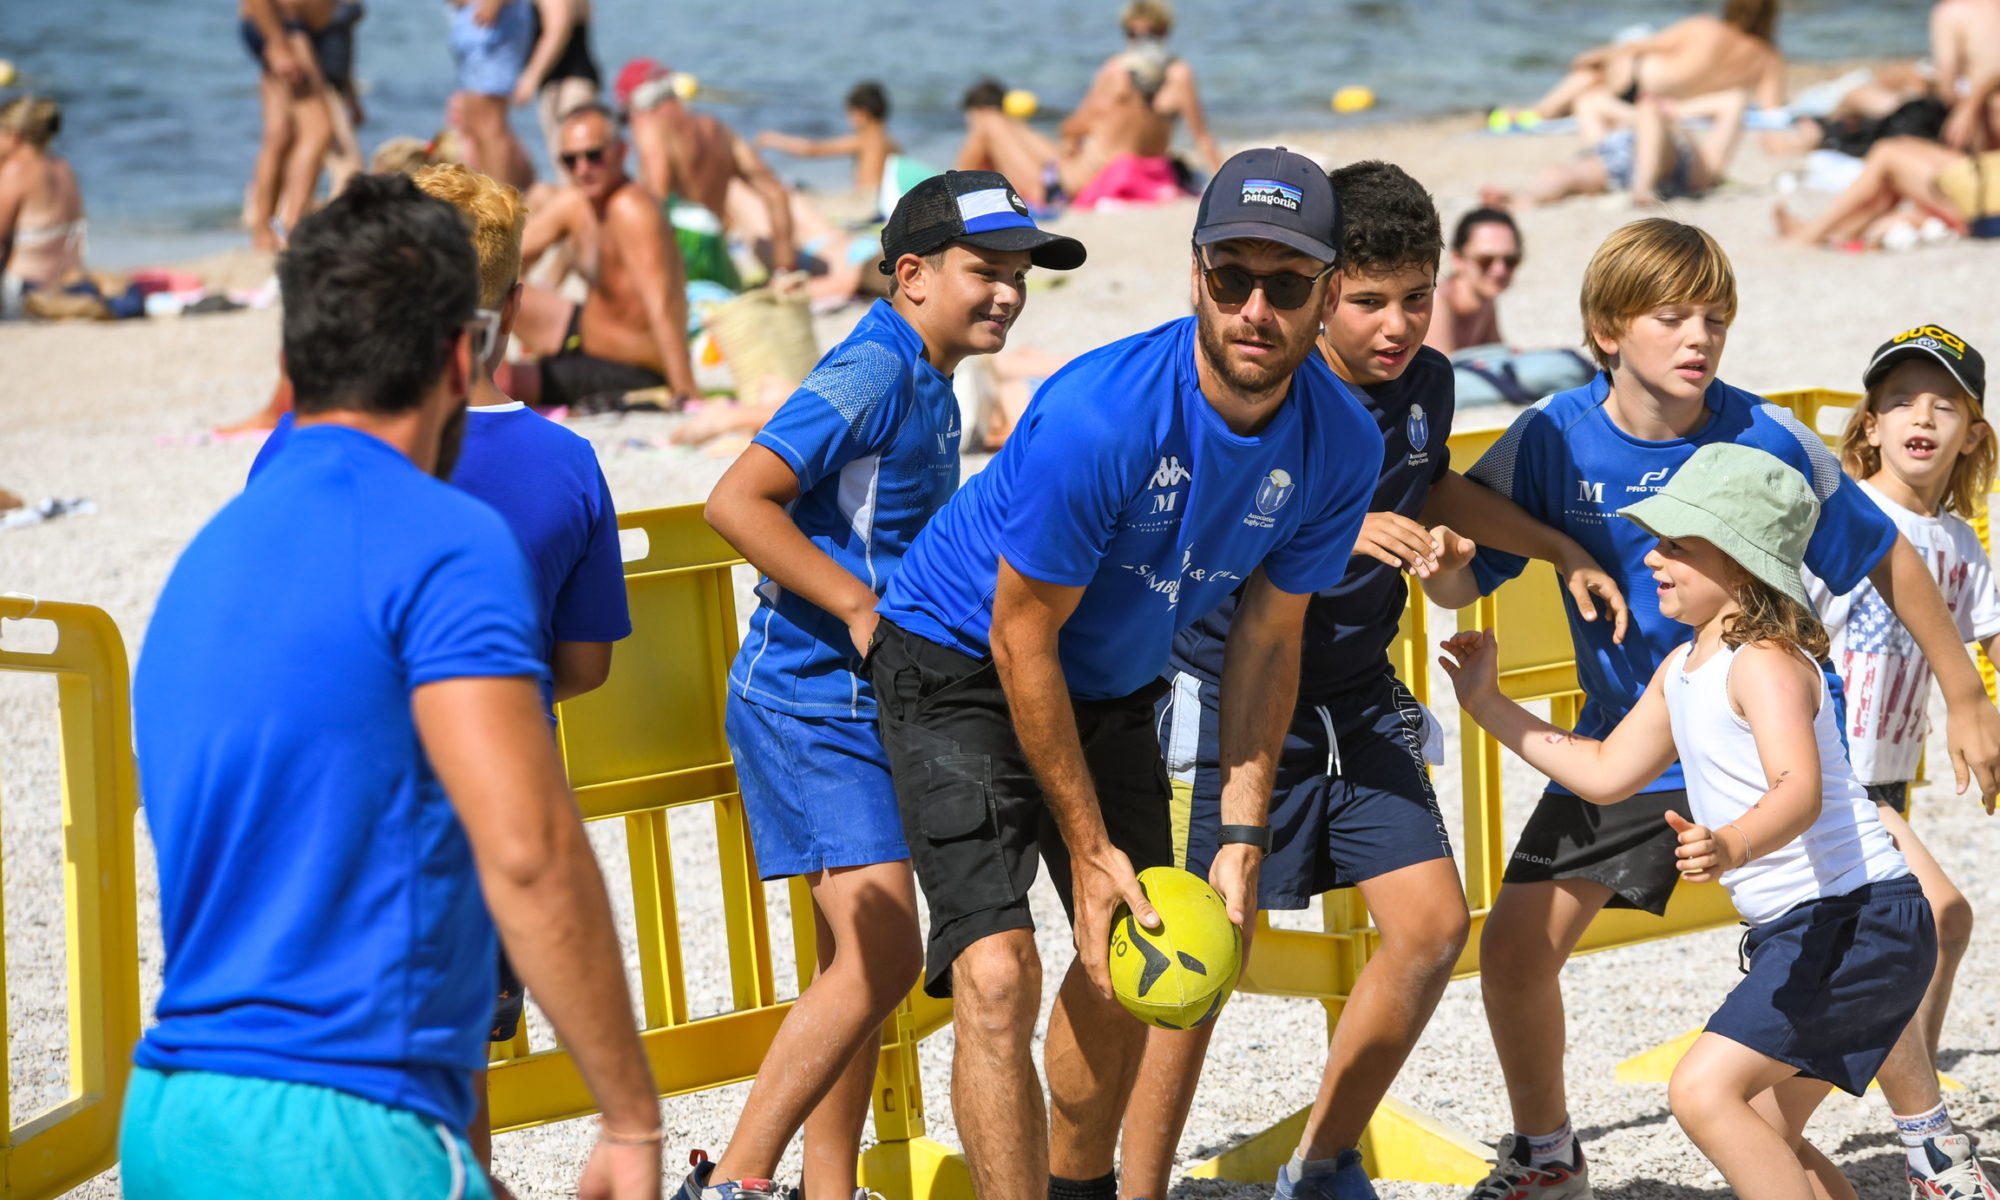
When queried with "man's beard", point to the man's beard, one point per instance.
{"points": [[1253, 377], [450, 439]]}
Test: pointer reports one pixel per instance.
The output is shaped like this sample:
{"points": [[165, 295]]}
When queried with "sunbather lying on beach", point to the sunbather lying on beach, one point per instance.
{"points": [[1695, 56], [1657, 157]]}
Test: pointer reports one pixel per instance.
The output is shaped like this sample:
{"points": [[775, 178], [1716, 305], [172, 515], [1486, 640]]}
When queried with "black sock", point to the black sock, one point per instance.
{"points": [[1104, 1187]]}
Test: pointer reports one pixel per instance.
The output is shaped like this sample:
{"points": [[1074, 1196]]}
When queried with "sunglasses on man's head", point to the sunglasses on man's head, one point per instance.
{"points": [[1485, 262], [1232, 284], [594, 156]]}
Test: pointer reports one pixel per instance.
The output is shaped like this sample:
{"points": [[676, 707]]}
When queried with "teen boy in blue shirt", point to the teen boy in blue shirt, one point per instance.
{"points": [[1017, 662], [1354, 805], [824, 502], [1658, 300], [346, 766]]}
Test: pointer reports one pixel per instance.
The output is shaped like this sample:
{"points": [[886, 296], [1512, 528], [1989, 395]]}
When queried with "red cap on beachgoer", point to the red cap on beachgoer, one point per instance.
{"points": [[635, 74]]}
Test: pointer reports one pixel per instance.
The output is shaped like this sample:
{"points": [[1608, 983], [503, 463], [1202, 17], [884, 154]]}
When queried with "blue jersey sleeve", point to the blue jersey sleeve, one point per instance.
{"points": [[849, 407], [273, 443], [472, 611], [591, 607], [1317, 556], [1853, 534], [1516, 467], [1074, 477]]}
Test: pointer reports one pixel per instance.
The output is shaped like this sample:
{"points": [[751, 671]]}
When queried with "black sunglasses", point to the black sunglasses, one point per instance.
{"points": [[1232, 285], [594, 156]]}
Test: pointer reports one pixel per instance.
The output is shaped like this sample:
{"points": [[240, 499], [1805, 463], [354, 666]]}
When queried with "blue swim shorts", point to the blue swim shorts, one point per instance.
{"points": [[193, 1135], [1352, 799], [816, 789], [1832, 983], [490, 57]]}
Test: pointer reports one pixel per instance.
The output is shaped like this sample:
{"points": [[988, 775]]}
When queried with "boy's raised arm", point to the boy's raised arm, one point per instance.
{"points": [[1491, 519]]}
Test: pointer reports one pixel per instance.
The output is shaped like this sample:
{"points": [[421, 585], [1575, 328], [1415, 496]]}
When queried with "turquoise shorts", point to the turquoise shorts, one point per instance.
{"points": [[198, 1134]]}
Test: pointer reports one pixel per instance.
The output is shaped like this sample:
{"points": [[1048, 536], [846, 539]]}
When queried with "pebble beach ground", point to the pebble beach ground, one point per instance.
{"points": [[107, 412]]}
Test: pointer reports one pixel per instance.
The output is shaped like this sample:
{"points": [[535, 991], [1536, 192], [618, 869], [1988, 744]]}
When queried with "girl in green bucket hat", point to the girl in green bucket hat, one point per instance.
{"points": [[1841, 942]]}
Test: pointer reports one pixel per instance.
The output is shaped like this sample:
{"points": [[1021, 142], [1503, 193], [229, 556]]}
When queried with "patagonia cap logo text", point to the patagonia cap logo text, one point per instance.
{"points": [[1273, 193]]}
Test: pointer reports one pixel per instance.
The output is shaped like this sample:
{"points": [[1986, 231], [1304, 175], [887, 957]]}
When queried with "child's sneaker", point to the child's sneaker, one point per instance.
{"points": [[699, 1187], [1514, 1179], [1347, 1181], [1955, 1173]]}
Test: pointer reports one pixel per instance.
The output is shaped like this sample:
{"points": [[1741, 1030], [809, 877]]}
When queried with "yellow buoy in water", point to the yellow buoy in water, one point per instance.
{"points": [[6, 73], [1020, 104], [686, 85], [1353, 98]]}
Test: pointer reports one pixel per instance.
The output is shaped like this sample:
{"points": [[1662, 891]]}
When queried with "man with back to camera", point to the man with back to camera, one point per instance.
{"points": [[347, 766], [1016, 665]]}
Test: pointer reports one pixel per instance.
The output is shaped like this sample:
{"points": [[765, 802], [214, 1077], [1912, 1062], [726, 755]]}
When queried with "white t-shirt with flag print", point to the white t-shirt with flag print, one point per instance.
{"points": [[1886, 676]]}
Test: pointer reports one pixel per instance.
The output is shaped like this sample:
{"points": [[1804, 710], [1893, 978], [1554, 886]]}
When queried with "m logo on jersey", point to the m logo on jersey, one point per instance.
{"points": [[1588, 492], [1418, 427], [1170, 472], [1274, 491]]}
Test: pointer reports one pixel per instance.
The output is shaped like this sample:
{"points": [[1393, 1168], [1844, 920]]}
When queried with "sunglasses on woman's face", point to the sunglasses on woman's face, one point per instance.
{"points": [[1486, 262], [594, 156], [1232, 285]]}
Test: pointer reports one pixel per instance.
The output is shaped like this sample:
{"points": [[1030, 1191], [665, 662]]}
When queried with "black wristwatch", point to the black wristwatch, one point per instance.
{"points": [[1245, 835]]}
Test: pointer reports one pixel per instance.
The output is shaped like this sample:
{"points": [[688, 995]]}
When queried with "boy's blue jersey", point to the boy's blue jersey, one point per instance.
{"points": [[873, 436], [1571, 467], [1123, 480]]}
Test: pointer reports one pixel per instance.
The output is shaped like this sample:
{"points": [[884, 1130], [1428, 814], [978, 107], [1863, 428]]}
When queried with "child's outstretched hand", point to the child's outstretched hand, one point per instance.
{"points": [[1701, 856], [1473, 663], [1454, 549]]}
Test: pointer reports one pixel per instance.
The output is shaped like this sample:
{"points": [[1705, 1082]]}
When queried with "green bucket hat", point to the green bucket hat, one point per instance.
{"points": [[1751, 505]]}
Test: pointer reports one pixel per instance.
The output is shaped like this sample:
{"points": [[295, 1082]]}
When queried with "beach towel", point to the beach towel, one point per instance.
{"points": [[1129, 179]]}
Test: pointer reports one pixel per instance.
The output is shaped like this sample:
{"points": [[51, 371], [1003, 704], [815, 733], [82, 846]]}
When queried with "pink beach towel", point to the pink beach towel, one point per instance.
{"points": [[1129, 179]]}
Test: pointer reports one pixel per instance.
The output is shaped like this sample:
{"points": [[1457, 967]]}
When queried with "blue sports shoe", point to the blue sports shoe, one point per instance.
{"points": [[698, 1185], [1347, 1181]]}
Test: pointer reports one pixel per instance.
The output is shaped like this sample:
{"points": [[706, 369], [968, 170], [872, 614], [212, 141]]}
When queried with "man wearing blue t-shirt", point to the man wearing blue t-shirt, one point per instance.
{"points": [[1017, 662], [545, 482], [1658, 300], [342, 751], [824, 503]]}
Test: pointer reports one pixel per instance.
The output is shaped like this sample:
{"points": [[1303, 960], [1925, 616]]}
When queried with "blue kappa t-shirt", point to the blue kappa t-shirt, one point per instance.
{"points": [[873, 436], [1123, 480], [545, 482], [322, 918], [1571, 467], [1350, 626]]}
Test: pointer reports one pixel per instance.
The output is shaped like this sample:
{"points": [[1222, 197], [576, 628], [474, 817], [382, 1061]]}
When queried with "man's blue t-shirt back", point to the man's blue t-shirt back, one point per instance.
{"points": [[1124, 480], [872, 435], [545, 480], [322, 919], [1571, 467]]}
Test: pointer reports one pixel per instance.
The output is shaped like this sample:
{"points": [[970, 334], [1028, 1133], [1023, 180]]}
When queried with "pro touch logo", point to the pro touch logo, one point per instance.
{"points": [[1651, 481], [1272, 193], [1170, 472]]}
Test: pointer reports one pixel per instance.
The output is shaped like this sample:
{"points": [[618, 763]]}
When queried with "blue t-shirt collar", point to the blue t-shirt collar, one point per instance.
{"points": [[1712, 398], [1188, 373], [901, 332]]}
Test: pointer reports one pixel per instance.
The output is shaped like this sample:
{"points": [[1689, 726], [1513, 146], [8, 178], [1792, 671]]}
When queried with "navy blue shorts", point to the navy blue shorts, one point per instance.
{"points": [[1352, 798], [816, 789], [1831, 983]]}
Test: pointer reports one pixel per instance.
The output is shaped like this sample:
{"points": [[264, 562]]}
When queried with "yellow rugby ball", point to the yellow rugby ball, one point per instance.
{"points": [[1179, 975], [1020, 104], [1353, 99]]}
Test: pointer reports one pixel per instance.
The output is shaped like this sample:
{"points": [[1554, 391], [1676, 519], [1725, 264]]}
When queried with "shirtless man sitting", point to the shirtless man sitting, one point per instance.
{"points": [[1695, 56], [695, 157], [41, 208], [630, 332], [1129, 112]]}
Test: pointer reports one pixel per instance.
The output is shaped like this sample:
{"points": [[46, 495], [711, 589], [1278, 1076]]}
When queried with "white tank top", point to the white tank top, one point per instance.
{"points": [[1845, 848]]}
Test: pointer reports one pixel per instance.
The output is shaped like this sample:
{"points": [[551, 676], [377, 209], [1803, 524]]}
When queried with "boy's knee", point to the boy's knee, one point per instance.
{"points": [[1433, 944], [996, 987], [1512, 958], [1953, 914]]}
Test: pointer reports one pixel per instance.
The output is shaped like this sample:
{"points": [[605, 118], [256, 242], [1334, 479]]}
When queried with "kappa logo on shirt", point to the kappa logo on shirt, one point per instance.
{"points": [[1170, 472]]}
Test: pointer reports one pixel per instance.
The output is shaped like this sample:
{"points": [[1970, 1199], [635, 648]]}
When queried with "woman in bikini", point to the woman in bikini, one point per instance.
{"points": [[41, 207]]}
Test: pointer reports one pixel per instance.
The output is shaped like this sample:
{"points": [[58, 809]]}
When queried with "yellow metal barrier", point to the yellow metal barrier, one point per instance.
{"points": [[59, 1148]]}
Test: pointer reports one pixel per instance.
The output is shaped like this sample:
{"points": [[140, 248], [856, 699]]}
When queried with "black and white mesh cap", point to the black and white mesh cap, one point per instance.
{"points": [[977, 208]]}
